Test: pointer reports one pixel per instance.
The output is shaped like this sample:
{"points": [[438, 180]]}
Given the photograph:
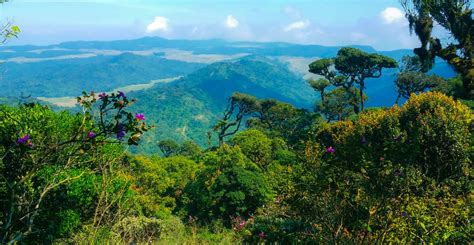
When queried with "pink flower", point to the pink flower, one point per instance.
{"points": [[261, 235], [330, 150], [91, 135], [139, 116], [102, 96]]}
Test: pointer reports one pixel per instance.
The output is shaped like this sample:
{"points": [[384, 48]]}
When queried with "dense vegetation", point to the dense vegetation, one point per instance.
{"points": [[101, 73], [338, 174], [387, 175]]}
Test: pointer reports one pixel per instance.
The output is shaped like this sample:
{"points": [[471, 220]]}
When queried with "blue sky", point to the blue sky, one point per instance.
{"points": [[379, 23]]}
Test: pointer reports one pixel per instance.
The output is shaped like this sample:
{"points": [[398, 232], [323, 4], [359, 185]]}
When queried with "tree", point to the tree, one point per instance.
{"points": [[352, 66], [339, 104], [168, 147], [455, 16], [239, 106], [230, 185], [411, 79], [320, 86], [415, 82], [255, 145], [278, 119]]}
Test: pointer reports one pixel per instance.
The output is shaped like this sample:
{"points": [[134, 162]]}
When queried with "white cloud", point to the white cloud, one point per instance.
{"points": [[392, 15], [298, 25], [159, 24], [231, 22]]}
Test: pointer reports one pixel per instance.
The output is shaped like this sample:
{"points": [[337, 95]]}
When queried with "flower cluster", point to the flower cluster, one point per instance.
{"points": [[330, 150], [25, 140], [114, 121]]}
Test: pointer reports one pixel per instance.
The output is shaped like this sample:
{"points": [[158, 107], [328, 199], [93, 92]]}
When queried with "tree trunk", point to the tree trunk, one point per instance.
{"points": [[468, 83], [361, 93], [398, 98]]}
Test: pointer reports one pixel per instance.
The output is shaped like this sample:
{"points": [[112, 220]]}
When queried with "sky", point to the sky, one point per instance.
{"points": [[378, 23]]}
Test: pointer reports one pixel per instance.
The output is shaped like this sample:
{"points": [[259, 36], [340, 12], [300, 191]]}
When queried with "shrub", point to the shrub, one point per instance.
{"points": [[438, 133], [229, 185], [255, 145]]}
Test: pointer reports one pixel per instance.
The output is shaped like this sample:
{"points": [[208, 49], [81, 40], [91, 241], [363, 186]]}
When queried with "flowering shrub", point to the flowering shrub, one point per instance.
{"points": [[396, 175], [42, 151]]}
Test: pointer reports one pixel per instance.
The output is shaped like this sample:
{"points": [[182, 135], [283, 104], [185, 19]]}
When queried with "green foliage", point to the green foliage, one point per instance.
{"points": [[43, 151], [255, 145], [283, 120], [416, 82], [442, 128], [351, 66], [160, 183], [230, 185], [411, 80], [168, 147], [392, 175], [239, 106], [99, 73], [339, 104], [456, 18], [145, 230]]}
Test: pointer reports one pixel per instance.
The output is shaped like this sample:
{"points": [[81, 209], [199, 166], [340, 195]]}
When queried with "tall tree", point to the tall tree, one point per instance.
{"points": [[351, 67], [320, 86], [411, 79], [338, 104], [239, 106], [455, 16], [415, 82]]}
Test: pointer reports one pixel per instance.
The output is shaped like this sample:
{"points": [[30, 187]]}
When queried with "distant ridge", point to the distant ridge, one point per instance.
{"points": [[210, 46]]}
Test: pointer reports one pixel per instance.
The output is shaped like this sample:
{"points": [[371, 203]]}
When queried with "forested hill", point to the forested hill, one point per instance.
{"points": [[65, 77], [188, 108]]}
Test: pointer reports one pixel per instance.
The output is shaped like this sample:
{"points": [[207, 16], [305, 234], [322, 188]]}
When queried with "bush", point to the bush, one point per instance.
{"points": [[229, 185], [145, 230], [438, 133], [255, 145], [400, 174]]}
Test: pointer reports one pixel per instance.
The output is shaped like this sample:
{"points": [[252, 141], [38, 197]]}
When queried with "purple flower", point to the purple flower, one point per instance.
{"points": [[120, 130], [121, 95], [362, 140], [102, 96], [139, 116], [330, 150], [261, 235], [23, 139], [91, 135]]}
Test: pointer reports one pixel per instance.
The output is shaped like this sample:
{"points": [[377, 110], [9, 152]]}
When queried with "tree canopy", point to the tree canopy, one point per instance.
{"points": [[454, 16], [351, 67]]}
